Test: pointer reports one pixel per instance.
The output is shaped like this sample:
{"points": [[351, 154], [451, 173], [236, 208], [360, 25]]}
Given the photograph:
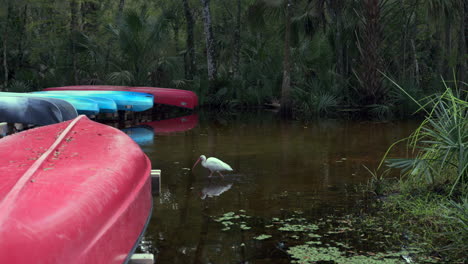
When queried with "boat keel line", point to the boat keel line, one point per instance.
{"points": [[8, 201]]}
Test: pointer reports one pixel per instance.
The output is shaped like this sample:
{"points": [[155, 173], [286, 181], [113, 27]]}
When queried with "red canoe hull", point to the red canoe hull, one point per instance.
{"points": [[167, 96], [73, 192]]}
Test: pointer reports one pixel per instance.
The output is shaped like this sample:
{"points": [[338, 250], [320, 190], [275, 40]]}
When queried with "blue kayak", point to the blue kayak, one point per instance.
{"points": [[127, 101], [28, 110], [82, 105], [106, 105], [68, 110]]}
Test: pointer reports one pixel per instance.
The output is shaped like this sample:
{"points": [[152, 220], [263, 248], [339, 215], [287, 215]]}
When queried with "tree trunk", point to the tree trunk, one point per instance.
{"points": [[210, 42], [416, 64], [5, 63], [5, 47], [370, 62], [22, 35], [337, 10], [463, 67], [237, 41], [190, 54], [286, 85], [120, 11], [73, 32], [176, 36]]}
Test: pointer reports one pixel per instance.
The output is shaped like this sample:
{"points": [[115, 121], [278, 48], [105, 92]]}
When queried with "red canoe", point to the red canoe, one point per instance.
{"points": [[167, 96], [73, 192]]}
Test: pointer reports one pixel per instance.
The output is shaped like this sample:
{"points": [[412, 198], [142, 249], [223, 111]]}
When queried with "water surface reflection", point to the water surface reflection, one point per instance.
{"points": [[280, 167]]}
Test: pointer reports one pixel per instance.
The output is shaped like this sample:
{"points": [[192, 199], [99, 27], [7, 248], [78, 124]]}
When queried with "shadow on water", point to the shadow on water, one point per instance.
{"points": [[286, 174]]}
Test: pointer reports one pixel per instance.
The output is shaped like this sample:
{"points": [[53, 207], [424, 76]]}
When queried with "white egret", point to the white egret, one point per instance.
{"points": [[213, 164]]}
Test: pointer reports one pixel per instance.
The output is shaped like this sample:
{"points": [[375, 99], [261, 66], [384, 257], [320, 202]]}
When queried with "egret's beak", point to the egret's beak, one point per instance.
{"points": [[198, 160]]}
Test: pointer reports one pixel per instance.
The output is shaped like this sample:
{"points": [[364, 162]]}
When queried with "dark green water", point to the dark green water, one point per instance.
{"points": [[282, 170]]}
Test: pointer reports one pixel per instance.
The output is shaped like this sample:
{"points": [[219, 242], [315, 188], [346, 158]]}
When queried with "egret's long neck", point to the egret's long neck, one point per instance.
{"points": [[203, 161]]}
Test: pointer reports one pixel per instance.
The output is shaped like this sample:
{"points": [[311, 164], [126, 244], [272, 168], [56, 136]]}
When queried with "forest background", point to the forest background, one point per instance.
{"points": [[310, 56]]}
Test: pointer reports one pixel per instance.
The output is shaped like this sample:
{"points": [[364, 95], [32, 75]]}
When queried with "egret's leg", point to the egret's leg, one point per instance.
{"points": [[220, 174], [211, 173]]}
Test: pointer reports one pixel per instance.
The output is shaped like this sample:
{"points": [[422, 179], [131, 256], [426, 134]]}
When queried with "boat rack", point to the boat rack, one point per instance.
{"points": [[148, 258], [142, 258], [156, 181]]}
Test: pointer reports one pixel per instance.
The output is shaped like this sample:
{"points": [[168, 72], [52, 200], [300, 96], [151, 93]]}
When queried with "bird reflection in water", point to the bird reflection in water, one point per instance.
{"points": [[213, 190]]}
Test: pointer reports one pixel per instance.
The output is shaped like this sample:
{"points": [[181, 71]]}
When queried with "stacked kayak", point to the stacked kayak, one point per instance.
{"points": [[124, 100], [82, 105], [165, 96], [69, 194], [29, 110], [105, 105]]}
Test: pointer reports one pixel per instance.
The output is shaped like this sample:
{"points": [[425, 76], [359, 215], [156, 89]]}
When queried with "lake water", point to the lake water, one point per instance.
{"points": [[287, 174]]}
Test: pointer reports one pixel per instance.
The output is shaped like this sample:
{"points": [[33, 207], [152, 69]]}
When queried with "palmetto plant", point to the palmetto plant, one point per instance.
{"points": [[140, 44], [441, 142]]}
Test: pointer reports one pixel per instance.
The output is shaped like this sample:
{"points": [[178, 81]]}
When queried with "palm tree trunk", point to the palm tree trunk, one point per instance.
{"points": [[337, 10], [22, 34], [371, 61], [190, 55], [120, 11], [73, 32], [463, 68], [237, 41], [286, 85], [175, 26], [5, 47], [210, 42], [416, 64], [5, 63]]}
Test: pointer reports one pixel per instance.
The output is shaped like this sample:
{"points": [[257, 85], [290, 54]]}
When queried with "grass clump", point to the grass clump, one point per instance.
{"points": [[430, 198]]}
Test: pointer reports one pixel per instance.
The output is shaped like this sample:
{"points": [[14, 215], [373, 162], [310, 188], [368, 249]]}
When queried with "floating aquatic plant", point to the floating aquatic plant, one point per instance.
{"points": [[305, 254], [298, 228], [227, 216], [317, 249], [262, 237], [245, 227]]}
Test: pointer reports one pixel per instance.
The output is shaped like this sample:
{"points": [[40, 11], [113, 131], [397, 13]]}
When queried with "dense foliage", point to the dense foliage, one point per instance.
{"points": [[430, 198], [325, 55]]}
